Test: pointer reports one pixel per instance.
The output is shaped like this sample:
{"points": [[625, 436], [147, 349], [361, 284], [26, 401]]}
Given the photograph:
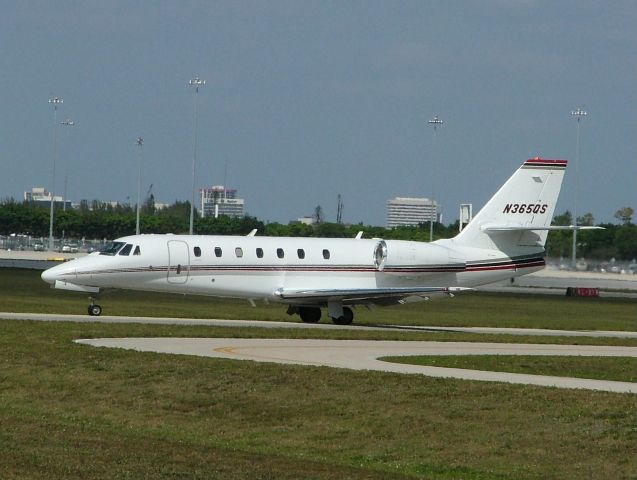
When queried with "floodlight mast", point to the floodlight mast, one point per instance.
{"points": [[195, 82], [140, 143], [67, 122], [435, 122], [55, 101], [578, 114]]}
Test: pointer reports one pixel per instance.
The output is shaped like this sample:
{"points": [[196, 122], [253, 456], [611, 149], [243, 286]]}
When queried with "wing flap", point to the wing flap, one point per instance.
{"points": [[362, 295]]}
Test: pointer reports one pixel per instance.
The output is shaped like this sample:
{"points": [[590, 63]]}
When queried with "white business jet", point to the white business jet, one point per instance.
{"points": [[504, 240]]}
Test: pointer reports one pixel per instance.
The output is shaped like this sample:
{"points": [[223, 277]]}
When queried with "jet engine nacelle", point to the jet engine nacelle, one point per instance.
{"points": [[414, 257]]}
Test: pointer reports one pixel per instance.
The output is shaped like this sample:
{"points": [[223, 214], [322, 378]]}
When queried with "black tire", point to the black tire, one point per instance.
{"points": [[94, 310], [310, 314], [346, 319]]}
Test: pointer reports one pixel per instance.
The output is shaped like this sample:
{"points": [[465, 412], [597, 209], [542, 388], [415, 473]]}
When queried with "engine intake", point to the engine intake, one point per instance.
{"points": [[380, 255]]}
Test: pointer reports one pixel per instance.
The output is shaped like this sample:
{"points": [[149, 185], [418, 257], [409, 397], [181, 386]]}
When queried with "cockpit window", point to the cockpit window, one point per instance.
{"points": [[137, 250], [126, 250], [111, 248]]}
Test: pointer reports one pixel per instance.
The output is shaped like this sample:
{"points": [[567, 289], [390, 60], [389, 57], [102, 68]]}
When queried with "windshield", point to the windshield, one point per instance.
{"points": [[111, 248]]}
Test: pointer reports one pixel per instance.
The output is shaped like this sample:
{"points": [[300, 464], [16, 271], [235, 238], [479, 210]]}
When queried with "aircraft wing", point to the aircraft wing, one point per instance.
{"points": [[361, 295]]}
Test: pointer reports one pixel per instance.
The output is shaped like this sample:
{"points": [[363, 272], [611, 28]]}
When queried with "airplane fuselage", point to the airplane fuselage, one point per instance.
{"points": [[504, 240], [259, 267]]}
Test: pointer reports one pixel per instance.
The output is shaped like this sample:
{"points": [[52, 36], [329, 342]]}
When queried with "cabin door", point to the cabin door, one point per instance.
{"points": [[178, 261]]}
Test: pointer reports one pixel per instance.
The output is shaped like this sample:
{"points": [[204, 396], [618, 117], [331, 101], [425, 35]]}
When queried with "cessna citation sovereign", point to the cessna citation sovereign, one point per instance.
{"points": [[504, 240]]}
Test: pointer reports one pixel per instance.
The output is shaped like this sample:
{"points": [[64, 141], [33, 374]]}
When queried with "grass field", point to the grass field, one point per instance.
{"points": [[24, 291], [72, 411], [600, 368]]}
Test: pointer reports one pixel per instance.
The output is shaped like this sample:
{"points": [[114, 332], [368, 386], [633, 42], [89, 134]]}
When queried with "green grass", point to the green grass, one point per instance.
{"points": [[623, 369], [24, 291], [73, 411]]}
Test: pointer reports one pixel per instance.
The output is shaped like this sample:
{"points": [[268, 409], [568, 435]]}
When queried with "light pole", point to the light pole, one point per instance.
{"points": [[435, 122], [578, 114], [195, 82], [140, 144], [55, 101], [67, 123]]}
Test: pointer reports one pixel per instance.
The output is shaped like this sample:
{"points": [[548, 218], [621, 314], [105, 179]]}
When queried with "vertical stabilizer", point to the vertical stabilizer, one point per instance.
{"points": [[525, 201]]}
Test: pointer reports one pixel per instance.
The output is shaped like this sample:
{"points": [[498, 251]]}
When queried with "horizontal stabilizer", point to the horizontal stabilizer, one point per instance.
{"points": [[513, 228]]}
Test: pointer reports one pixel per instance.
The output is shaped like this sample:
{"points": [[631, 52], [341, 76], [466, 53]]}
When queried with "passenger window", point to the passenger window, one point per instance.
{"points": [[301, 253], [126, 250], [238, 252], [218, 251], [259, 253], [137, 251], [326, 254], [280, 253], [197, 251]]}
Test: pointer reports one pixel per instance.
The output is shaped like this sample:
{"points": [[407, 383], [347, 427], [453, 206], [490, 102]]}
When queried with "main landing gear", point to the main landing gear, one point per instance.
{"points": [[346, 319], [94, 310], [313, 315], [309, 314]]}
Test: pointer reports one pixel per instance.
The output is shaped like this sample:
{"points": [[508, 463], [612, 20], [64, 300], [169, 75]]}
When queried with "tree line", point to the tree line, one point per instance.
{"points": [[105, 221], [617, 241]]}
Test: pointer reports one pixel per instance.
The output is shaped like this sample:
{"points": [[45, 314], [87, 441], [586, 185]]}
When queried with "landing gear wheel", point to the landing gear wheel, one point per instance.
{"points": [[310, 314], [94, 310], [346, 319]]}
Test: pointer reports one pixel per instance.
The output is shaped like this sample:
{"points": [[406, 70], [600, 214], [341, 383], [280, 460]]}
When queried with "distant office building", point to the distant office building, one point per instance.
{"points": [[41, 197], [219, 200], [410, 211]]}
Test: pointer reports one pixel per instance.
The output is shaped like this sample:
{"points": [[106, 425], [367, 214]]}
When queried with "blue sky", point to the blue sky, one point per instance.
{"points": [[305, 100]]}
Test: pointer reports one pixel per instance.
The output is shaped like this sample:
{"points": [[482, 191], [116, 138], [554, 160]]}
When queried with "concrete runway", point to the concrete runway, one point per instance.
{"points": [[359, 354], [47, 317], [364, 354], [550, 281]]}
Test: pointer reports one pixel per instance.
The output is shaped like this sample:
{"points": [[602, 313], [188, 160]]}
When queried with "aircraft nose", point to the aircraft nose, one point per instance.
{"points": [[49, 275], [52, 274]]}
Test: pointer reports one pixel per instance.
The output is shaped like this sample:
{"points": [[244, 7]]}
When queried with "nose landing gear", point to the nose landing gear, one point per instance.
{"points": [[94, 310]]}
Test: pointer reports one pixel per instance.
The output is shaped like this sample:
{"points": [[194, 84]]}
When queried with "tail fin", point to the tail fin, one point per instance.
{"points": [[520, 213]]}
